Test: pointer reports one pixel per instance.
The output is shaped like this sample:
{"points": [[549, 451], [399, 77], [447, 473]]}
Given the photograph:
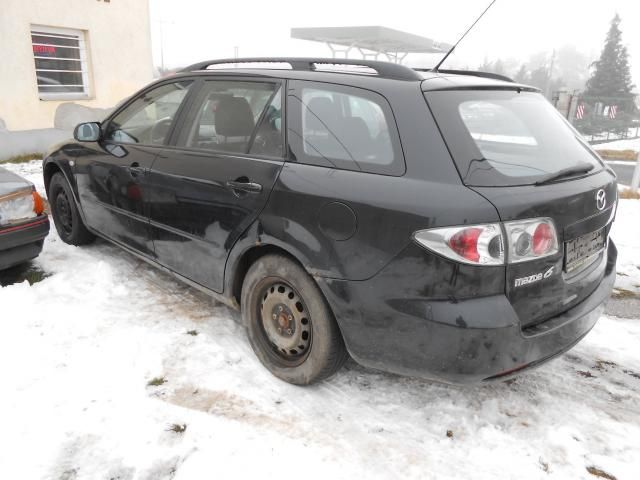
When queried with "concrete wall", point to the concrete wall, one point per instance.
{"points": [[40, 140], [118, 47]]}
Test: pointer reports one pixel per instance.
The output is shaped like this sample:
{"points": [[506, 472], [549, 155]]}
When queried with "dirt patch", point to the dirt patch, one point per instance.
{"points": [[629, 194], [20, 273], [622, 293], [596, 472], [230, 406], [604, 365], [606, 154], [156, 382], [632, 374], [27, 157]]}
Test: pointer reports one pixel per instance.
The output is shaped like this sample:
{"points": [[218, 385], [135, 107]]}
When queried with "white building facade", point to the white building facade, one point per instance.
{"points": [[90, 52]]}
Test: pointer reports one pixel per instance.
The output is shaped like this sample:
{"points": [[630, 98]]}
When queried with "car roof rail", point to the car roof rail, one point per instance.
{"points": [[473, 73], [380, 69]]}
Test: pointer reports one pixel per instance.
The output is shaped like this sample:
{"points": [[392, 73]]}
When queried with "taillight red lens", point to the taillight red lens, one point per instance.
{"points": [[531, 239], [543, 239], [465, 243], [485, 244], [38, 203]]}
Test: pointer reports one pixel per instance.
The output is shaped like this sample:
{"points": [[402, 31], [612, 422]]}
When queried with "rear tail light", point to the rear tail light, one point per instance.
{"points": [[531, 239], [38, 203], [484, 244], [476, 244], [17, 206]]}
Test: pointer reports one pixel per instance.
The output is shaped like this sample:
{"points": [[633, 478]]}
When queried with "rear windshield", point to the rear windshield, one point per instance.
{"points": [[500, 138]]}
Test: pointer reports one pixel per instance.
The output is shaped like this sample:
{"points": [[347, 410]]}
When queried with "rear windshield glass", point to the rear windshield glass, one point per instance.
{"points": [[501, 138]]}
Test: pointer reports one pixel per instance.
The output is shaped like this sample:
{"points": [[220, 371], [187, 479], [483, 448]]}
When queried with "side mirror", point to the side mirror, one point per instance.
{"points": [[87, 132]]}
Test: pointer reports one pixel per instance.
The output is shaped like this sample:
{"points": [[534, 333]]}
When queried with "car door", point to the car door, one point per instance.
{"points": [[209, 186], [112, 175]]}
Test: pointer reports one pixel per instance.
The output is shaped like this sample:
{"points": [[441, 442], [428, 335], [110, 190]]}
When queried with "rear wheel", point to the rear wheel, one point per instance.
{"points": [[290, 325], [66, 216]]}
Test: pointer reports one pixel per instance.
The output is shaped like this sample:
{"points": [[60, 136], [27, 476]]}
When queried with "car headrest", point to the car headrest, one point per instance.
{"points": [[321, 110], [234, 117]]}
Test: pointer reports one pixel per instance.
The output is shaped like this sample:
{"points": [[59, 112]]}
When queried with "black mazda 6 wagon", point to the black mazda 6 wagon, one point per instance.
{"points": [[444, 224]]}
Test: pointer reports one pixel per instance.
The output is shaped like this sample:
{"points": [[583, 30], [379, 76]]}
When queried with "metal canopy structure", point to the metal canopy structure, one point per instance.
{"points": [[370, 41]]}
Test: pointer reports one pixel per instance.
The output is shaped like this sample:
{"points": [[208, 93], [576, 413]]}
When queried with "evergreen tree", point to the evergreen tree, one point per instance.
{"points": [[611, 75], [522, 76], [497, 67], [485, 66], [539, 78]]}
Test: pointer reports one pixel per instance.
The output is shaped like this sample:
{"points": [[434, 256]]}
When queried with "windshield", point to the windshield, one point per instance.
{"points": [[500, 138]]}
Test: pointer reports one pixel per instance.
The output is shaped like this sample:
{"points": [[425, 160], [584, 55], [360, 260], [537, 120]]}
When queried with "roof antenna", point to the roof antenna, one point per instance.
{"points": [[435, 69]]}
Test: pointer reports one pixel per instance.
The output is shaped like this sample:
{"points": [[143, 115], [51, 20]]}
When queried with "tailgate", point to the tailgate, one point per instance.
{"points": [[540, 289]]}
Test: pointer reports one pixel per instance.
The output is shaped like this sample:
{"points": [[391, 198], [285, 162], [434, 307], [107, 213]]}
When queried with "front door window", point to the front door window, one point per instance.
{"points": [[148, 119]]}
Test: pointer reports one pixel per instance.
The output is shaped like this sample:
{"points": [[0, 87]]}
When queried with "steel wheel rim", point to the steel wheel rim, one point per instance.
{"points": [[63, 212], [285, 323]]}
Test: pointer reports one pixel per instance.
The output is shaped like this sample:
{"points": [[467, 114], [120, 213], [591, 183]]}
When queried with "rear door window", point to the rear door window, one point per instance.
{"points": [[343, 127], [268, 138], [502, 138], [226, 114]]}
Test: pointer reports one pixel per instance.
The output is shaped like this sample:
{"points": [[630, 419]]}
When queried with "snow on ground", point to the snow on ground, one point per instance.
{"points": [[626, 235], [619, 145], [78, 350]]}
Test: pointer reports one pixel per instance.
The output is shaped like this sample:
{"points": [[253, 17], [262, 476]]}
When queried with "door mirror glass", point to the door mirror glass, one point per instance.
{"points": [[87, 132]]}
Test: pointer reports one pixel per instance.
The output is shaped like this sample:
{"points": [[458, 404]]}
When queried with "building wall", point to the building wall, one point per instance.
{"points": [[118, 40]]}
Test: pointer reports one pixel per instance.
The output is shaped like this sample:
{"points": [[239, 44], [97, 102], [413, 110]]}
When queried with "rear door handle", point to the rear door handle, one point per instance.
{"points": [[248, 187]]}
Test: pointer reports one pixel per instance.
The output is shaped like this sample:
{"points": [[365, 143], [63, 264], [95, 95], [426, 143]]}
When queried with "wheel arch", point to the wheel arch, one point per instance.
{"points": [[48, 171], [51, 167], [247, 258]]}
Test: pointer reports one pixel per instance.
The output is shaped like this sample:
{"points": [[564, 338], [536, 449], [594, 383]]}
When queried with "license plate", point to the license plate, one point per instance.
{"points": [[578, 250]]}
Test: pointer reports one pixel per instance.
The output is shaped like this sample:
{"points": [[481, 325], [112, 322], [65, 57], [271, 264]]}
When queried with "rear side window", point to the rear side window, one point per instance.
{"points": [[343, 127], [226, 114], [502, 138]]}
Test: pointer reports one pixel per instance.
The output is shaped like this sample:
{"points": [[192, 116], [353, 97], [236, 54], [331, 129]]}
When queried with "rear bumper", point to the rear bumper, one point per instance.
{"points": [[22, 242], [454, 341]]}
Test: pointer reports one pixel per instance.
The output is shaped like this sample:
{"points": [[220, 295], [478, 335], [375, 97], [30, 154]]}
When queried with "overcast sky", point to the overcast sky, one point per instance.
{"points": [[194, 30]]}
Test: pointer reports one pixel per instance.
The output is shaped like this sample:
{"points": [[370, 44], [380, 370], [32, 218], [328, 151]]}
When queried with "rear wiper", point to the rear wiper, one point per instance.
{"points": [[565, 172]]}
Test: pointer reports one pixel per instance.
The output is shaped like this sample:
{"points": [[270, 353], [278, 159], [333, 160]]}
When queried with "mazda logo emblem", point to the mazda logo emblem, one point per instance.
{"points": [[601, 199]]}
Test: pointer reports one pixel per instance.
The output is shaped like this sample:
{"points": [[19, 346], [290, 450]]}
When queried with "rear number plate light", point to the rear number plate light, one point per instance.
{"points": [[579, 250]]}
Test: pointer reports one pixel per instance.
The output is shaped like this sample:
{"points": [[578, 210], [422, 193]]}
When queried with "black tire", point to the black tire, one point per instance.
{"points": [[65, 213], [278, 293]]}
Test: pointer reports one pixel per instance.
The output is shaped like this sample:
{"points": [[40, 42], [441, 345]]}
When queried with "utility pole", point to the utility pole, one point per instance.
{"points": [[162, 23], [547, 89], [161, 48]]}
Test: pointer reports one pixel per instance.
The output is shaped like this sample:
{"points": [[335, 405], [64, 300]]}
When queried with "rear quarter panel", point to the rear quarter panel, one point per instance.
{"points": [[387, 209]]}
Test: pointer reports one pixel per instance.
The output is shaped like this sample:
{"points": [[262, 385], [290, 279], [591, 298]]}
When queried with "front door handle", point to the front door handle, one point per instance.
{"points": [[135, 169], [244, 186]]}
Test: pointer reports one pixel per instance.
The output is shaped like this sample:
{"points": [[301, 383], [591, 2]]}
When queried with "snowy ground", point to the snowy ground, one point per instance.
{"points": [[626, 234], [619, 145], [79, 348]]}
